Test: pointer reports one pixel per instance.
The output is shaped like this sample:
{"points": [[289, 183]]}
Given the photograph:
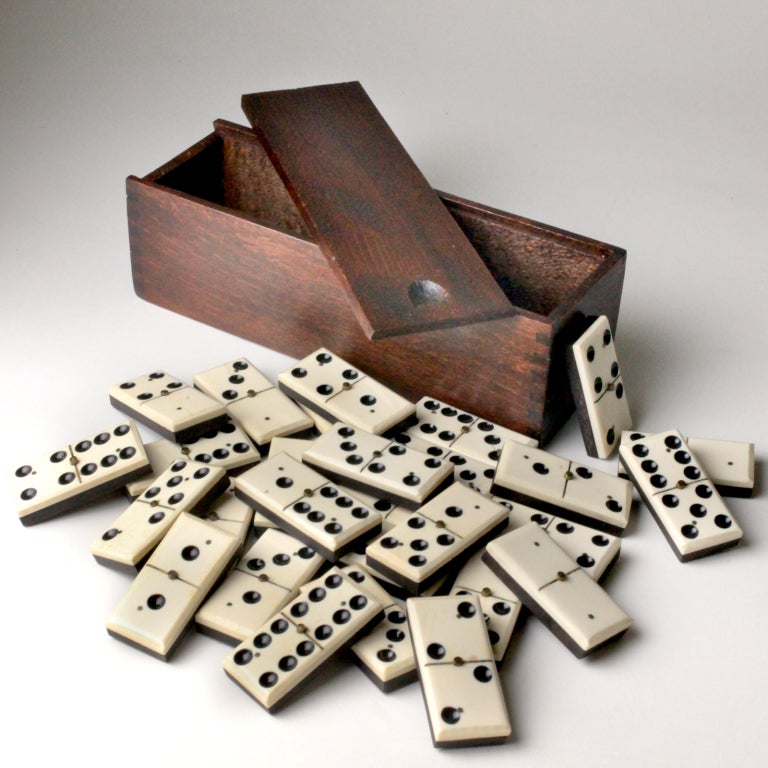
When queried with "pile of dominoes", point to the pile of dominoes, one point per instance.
{"points": [[328, 513]]}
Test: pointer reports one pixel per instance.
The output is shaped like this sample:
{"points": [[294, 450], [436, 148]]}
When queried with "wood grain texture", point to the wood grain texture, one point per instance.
{"points": [[269, 282], [405, 264]]}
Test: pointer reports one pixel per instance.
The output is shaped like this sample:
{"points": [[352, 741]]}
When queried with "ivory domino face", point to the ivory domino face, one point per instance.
{"points": [[555, 588], [455, 430], [677, 491], [358, 560], [595, 551], [500, 606], [184, 486], [226, 446], [553, 484], [391, 514], [161, 454], [418, 551], [476, 473], [322, 424], [329, 614], [228, 512], [307, 505], [379, 466], [253, 400], [59, 481], [598, 389], [462, 692], [729, 464], [161, 602], [293, 446], [328, 384], [384, 653], [173, 409], [266, 577]]}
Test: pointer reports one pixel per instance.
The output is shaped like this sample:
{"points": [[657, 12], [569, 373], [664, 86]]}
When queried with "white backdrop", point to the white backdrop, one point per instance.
{"points": [[643, 125]]}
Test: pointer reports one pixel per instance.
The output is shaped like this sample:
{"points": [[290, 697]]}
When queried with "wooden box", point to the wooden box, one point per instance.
{"points": [[222, 234]]}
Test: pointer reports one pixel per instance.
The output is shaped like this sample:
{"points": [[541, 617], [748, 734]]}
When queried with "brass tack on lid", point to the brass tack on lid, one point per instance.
{"points": [[569, 475], [251, 393], [458, 661], [561, 576], [486, 592], [173, 575]]}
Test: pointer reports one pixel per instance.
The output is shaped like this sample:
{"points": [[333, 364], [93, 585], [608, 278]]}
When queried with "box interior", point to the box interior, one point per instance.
{"points": [[539, 268]]}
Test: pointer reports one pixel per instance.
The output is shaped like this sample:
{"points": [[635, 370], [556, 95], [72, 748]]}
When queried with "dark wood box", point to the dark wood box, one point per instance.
{"points": [[216, 235]]}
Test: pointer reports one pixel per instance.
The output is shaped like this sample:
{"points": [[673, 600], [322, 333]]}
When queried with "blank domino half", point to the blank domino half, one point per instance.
{"points": [[253, 400], [266, 577], [184, 487], [326, 383], [329, 614], [729, 464], [457, 671], [680, 496], [160, 604], [418, 551], [598, 389], [450, 428], [556, 589], [379, 466], [307, 505], [172, 408], [562, 487], [66, 478]]}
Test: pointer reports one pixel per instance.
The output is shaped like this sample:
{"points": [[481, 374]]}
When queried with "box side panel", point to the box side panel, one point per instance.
{"points": [[228, 270], [276, 290]]}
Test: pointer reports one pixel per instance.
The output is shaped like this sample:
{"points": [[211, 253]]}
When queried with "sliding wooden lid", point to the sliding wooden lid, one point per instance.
{"points": [[403, 260]]}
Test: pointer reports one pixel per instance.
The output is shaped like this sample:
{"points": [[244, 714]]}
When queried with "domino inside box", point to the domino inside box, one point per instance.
{"points": [[221, 234]]}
